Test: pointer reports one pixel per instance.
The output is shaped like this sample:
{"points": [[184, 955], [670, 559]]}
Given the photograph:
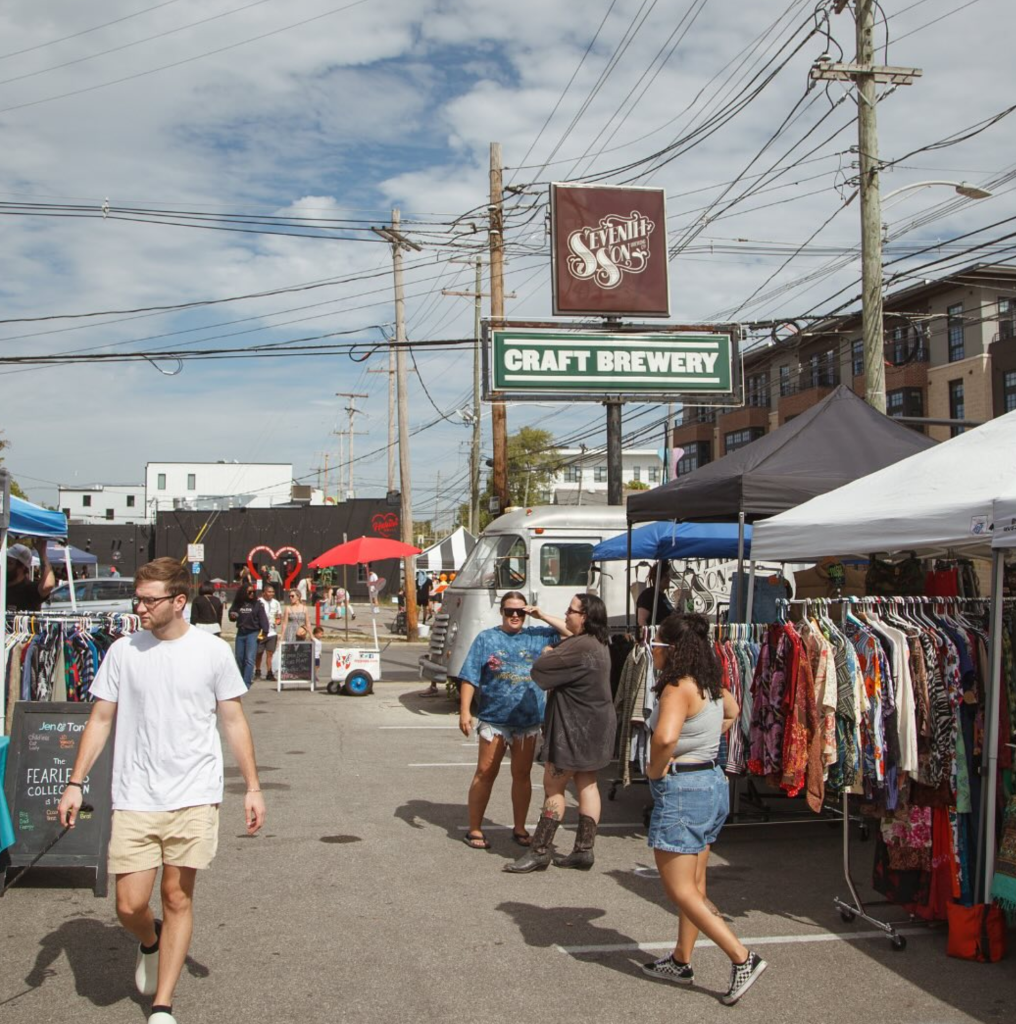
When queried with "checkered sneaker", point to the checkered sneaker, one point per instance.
{"points": [[742, 977], [668, 969]]}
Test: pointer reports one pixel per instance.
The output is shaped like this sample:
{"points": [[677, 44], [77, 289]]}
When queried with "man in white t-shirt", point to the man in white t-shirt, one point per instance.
{"points": [[273, 609], [161, 689]]}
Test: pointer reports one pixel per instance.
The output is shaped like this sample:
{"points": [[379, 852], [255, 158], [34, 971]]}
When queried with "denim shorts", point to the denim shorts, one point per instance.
{"points": [[689, 809], [509, 733]]}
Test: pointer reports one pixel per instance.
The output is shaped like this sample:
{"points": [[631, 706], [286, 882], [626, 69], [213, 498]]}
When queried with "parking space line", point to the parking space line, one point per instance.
{"points": [[761, 940]]}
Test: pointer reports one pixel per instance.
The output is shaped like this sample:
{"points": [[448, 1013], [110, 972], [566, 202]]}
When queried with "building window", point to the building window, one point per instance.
{"points": [[784, 380], [739, 438], [636, 473], [161, 483], [130, 501], [192, 482], [654, 474], [822, 369], [110, 514], [758, 390], [572, 474], [695, 455], [857, 357], [956, 407], [905, 402], [600, 474], [1006, 319], [954, 316], [86, 500], [1009, 390]]}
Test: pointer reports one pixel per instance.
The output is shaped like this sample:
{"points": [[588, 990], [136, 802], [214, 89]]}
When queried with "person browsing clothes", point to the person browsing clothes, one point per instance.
{"points": [[578, 728], [690, 795], [653, 605], [25, 594], [509, 713]]}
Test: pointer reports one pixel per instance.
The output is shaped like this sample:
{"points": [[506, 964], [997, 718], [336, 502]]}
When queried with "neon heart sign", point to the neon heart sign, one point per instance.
{"points": [[275, 556], [386, 524]]}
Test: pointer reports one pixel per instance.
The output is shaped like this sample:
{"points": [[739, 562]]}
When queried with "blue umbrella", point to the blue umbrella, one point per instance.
{"points": [[674, 540]]}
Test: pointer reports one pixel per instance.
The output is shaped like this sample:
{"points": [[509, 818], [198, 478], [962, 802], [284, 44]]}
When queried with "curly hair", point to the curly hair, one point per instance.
{"points": [[690, 653]]}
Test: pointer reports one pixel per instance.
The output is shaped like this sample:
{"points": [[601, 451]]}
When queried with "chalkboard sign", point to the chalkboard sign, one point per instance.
{"points": [[296, 663], [44, 743]]}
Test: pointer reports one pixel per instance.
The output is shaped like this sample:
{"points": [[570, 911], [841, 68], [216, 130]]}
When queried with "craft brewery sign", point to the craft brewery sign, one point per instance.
{"points": [[609, 251], [534, 363]]}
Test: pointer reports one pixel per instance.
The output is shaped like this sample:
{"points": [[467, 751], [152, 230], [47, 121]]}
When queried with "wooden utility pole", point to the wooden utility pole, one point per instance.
{"points": [[351, 432], [867, 75], [399, 242], [392, 450], [499, 416], [477, 294], [615, 484]]}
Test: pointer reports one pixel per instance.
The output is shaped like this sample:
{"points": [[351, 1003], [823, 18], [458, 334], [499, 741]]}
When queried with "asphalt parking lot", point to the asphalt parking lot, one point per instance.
{"points": [[359, 902]]}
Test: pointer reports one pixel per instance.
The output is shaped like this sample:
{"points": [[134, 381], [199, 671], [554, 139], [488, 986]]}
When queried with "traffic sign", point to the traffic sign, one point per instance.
{"points": [[195, 552]]}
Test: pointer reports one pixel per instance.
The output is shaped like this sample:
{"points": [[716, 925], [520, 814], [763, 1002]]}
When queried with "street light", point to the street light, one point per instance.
{"points": [[964, 188]]}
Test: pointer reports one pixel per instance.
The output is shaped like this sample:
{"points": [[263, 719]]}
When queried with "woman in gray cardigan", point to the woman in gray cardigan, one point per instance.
{"points": [[578, 728]]}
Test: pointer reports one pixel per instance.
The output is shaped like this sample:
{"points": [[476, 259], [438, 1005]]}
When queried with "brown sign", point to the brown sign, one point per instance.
{"points": [[609, 251]]}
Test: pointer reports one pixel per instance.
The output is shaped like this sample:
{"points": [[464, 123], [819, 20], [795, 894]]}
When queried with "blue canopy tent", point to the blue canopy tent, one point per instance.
{"points": [[31, 521], [34, 521], [674, 540]]}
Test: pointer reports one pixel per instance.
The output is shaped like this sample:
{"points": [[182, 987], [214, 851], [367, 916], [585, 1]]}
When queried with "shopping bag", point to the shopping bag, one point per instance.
{"points": [[977, 932]]}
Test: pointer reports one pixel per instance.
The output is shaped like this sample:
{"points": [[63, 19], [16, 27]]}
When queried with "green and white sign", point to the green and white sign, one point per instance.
{"points": [[526, 362]]}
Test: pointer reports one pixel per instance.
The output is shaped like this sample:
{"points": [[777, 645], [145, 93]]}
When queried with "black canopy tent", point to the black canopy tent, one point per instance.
{"points": [[834, 442]]}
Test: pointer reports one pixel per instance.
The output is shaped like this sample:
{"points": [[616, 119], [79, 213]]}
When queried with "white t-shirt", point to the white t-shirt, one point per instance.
{"points": [[167, 754], [272, 609]]}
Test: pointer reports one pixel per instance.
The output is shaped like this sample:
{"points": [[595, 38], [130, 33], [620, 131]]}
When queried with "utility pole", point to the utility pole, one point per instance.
{"points": [[352, 410], [474, 457], [325, 490], [615, 484], [398, 243], [391, 414], [866, 75], [499, 416]]}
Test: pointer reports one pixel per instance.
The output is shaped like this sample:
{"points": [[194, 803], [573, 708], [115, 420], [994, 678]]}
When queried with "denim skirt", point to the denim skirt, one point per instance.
{"points": [[689, 809]]}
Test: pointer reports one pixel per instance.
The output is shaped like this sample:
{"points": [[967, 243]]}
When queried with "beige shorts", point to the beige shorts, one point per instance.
{"points": [[142, 840]]}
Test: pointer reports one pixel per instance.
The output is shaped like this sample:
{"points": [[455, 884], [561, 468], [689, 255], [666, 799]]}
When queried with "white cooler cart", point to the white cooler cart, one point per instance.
{"points": [[356, 669]]}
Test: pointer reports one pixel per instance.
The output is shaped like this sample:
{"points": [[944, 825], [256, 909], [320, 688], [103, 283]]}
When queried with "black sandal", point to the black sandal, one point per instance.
{"points": [[522, 839], [476, 841]]}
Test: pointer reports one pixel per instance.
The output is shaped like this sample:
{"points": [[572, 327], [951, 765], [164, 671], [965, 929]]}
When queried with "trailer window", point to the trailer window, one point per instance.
{"points": [[565, 565], [498, 561]]}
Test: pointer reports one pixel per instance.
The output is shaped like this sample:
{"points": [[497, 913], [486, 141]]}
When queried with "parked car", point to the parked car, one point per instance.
{"points": [[95, 595]]}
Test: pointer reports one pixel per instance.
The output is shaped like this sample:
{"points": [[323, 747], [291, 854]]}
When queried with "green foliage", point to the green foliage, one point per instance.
{"points": [[532, 463], [636, 485]]}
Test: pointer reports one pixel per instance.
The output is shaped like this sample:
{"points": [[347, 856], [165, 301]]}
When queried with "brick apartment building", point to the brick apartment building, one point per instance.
{"points": [[950, 348]]}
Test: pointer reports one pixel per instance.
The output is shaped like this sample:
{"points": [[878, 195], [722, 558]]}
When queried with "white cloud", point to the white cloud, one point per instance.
{"points": [[396, 102]]}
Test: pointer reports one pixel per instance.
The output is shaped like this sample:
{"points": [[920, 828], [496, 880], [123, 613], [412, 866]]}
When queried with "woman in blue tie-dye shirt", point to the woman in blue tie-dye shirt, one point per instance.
{"points": [[510, 710]]}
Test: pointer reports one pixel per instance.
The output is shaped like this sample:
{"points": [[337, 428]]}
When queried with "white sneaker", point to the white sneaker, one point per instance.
{"points": [[146, 971], [162, 1018]]}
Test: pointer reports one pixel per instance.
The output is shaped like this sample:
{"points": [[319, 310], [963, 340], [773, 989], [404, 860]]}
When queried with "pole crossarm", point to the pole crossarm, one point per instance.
{"points": [[827, 71]]}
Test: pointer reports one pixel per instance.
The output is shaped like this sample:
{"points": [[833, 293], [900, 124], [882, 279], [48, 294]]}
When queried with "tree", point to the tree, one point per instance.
{"points": [[15, 489], [532, 463]]}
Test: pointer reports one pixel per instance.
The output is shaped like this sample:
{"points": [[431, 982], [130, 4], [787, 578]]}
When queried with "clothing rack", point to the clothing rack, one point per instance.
{"points": [[856, 907]]}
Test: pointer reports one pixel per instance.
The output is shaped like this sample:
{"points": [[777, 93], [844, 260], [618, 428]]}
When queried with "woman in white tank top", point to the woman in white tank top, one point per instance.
{"points": [[690, 794]]}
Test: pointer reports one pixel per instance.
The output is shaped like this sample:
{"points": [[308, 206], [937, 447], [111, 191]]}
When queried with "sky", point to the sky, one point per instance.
{"points": [[250, 147]]}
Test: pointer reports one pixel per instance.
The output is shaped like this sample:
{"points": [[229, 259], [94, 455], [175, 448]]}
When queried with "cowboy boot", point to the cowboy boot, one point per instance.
{"points": [[538, 856], [581, 856]]}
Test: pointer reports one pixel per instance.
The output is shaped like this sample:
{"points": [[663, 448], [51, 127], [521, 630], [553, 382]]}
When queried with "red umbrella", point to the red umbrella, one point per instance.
{"points": [[364, 549]]}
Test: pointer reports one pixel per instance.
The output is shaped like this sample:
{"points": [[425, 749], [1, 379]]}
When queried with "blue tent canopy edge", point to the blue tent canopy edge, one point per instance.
{"points": [[674, 540], [34, 521]]}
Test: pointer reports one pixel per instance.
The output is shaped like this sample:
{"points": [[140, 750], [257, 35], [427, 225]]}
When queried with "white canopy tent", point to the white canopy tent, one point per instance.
{"points": [[938, 500], [959, 497]]}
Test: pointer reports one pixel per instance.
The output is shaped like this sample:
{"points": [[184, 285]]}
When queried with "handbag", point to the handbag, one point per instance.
{"points": [[977, 932]]}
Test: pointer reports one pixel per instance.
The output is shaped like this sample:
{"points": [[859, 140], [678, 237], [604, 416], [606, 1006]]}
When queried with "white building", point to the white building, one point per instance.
{"points": [[103, 503], [587, 471], [216, 485]]}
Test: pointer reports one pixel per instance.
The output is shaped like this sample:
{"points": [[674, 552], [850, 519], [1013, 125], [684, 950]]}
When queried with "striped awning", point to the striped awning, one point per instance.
{"points": [[447, 555]]}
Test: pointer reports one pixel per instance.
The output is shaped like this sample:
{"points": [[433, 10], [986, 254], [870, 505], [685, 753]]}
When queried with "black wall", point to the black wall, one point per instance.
{"points": [[312, 530], [135, 545]]}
